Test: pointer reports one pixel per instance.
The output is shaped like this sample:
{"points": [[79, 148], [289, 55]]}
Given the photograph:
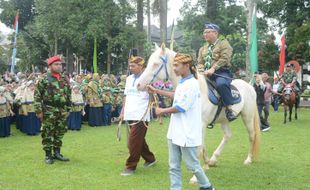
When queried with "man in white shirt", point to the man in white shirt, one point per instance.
{"points": [[135, 111], [185, 128]]}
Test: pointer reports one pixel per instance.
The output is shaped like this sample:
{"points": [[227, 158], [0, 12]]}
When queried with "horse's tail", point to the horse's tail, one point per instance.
{"points": [[256, 141]]}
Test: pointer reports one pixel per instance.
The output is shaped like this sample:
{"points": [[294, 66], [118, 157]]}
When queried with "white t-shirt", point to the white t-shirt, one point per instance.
{"points": [[136, 101], [185, 128]]}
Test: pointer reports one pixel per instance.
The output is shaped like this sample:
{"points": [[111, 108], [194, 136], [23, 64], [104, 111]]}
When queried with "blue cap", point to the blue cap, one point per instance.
{"points": [[212, 26]]}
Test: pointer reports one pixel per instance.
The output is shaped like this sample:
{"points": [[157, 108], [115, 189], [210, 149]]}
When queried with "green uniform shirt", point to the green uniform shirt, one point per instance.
{"points": [[52, 95]]}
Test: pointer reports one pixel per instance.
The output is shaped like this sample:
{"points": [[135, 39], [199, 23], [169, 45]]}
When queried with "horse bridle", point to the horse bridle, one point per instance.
{"points": [[164, 60]]}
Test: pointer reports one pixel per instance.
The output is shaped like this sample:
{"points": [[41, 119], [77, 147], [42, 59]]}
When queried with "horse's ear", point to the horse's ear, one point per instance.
{"points": [[163, 48], [156, 46]]}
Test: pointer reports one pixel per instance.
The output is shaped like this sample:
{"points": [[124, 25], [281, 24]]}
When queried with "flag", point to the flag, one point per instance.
{"points": [[282, 55], [14, 43], [95, 56], [253, 45]]}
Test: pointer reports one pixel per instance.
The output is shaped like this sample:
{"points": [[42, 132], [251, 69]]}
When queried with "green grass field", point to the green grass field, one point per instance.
{"points": [[97, 159]]}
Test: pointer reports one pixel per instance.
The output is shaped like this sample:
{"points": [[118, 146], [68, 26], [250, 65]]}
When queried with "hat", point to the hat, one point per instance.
{"points": [[212, 26], [183, 58], [288, 65], [137, 60], [54, 59]]}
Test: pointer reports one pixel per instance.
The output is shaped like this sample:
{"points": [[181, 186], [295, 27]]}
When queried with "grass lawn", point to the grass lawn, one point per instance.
{"points": [[97, 159]]}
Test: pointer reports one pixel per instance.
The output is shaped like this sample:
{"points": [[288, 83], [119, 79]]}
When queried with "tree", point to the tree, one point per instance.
{"points": [[293, 17]]}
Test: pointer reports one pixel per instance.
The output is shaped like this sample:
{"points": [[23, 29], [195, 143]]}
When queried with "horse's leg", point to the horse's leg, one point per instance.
{"points": [[285, 113], [296, 107], [290, 112], [252, 122], [226, 137]]}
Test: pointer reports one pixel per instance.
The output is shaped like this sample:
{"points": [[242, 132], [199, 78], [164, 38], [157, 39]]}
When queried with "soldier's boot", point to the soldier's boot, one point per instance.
{"points": [[48, 157], [59, 156]]}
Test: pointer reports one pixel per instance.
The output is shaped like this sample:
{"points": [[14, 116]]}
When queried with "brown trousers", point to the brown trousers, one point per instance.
{"points": [[137, 145]]}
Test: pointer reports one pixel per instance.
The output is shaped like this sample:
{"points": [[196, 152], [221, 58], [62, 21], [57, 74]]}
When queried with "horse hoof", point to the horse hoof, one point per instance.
{"points": [[193, 181], [247, 162], [212, 163]]}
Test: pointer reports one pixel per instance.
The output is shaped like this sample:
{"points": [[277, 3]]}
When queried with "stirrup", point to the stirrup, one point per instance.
{"points": [[210, 126]]}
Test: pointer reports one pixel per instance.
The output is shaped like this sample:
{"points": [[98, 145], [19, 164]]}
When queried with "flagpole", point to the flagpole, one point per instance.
{"points": [[95, 56], [13, 63]]}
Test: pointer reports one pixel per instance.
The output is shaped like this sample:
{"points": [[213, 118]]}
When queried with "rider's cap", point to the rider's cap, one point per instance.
{"points": [[212, 26]]}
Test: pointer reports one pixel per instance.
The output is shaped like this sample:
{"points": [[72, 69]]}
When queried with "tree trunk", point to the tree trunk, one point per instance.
{"points": [[109, 59], [148, 21], [250, 6], [212, 10], [163, 20], [56, 44], [140, 24]]}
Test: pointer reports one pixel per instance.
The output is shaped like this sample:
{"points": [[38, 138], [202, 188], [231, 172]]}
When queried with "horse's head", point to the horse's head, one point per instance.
{"points": [[158, 67], [288, 92]]}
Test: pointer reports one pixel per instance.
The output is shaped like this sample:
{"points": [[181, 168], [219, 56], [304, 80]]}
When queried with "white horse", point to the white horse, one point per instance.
{"points": [[160, 67]]}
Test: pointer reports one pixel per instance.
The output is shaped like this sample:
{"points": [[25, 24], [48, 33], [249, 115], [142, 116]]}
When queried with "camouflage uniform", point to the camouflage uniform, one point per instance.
{"points": [[52, 98], [288, 78]]}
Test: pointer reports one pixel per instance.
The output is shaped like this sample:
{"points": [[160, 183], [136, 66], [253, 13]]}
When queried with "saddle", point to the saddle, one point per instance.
{"points": [[216, 99]]}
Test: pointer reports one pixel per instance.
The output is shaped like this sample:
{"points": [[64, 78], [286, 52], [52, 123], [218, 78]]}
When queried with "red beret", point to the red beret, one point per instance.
{"points": [[53, 59]]}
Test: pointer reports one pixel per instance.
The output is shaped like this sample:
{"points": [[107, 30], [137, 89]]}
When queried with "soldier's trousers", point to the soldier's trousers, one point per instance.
{"points": [[53, 130]]}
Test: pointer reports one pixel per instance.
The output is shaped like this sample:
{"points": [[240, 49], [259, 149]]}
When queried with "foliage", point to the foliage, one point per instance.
{"points": [[58, 26], [293, 16]]}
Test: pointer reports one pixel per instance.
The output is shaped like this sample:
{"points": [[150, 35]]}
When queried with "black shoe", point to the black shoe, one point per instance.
{"points": [[48, 157], [207, 188], [230, 115], [59, 156]]}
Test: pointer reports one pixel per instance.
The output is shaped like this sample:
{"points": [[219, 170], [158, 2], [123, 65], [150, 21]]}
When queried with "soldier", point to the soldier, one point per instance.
{"points": [[52, 105], [214, 62], [288, 77]]}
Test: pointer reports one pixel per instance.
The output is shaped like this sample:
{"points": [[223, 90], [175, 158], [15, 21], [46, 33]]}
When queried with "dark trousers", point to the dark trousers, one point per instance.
{"points": [[107, 113], [137, 146], [275, 102], [223, 85], [263, 123]]}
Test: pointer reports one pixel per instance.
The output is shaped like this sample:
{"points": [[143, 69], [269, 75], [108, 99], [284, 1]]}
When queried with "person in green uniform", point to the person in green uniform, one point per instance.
{"points": [[52, 105]]}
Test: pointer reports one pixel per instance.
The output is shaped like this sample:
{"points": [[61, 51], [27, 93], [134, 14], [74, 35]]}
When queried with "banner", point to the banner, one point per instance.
{"points": [[282, 55], [253, 47]]}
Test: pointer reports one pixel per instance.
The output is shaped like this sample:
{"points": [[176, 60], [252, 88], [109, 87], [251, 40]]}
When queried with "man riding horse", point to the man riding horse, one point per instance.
{"points": [[289, 77], [214, 62]]}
